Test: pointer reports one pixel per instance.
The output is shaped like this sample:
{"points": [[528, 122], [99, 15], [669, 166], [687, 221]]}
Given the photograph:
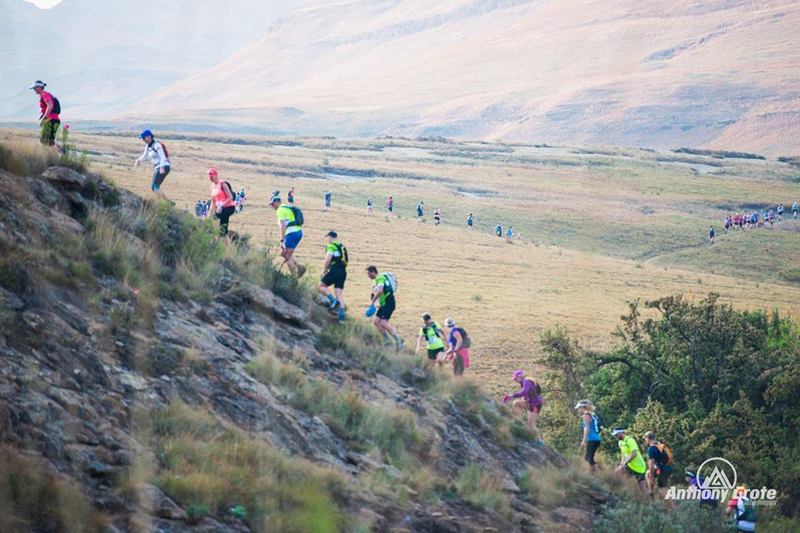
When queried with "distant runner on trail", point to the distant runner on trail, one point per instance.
{"points": [[389, 207], [369, 205], [498, 230], [49, 117], [434, 337], [222, 200], [328, 196], [421, 211], [458, 343], [711, 234], [437, 216], [290, 220], [509, 233], [290, 195], [383, 305], [159, 157], [335, 273], [795, 208], [470, 221], [631, 461], [528, 399], [590, 429], [659, 467], [742, 510]]}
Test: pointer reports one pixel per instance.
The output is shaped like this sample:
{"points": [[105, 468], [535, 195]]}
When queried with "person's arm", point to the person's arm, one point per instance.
{"points": [[48, 101], [328, 260], [651, 475], [141, 157], [459, 341], [225, 188], [524, 391], [283, 224], [376, 293], [419, 343], [587, 419]]}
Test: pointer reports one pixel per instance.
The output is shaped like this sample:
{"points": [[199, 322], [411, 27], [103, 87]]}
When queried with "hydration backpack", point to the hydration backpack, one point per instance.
{"points": [[298, 216], [666, 454], [466, 341], [391, 282], [56, 106], [344, 256], [748, 512]]}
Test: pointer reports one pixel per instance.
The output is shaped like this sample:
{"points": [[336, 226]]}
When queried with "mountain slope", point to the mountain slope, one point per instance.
{"points": [[101, 55], [147, 371], [722, 73]]}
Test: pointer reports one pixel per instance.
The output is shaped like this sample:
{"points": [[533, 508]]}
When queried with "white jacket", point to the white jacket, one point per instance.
{"points": [[155, 152]]}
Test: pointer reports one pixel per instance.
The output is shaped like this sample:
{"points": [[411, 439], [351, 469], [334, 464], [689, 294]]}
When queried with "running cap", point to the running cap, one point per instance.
{"points": [[38, 83], [213, 172], [426, 316], [617, 431], [145, 133], [519, 374], [275, 199], [450, 322], [332, 233], [650, 435], [583, 403]]}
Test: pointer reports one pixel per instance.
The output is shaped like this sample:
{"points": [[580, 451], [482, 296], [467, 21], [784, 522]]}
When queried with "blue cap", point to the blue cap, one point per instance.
{"points": [[145, 133]]}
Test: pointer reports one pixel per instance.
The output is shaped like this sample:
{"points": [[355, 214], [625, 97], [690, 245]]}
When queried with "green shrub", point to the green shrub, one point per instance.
{"points": [[635, 517], [481, 489]]}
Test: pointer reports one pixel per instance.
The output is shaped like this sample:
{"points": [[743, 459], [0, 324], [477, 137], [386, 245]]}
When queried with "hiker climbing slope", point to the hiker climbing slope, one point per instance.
{"points": [[527, 400], [383, 305], [290, 220], [159, 158], [49, 118], [335, 274]]}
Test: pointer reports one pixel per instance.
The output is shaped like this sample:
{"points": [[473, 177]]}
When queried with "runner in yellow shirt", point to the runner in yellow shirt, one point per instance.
{"points": [[631, 460]]}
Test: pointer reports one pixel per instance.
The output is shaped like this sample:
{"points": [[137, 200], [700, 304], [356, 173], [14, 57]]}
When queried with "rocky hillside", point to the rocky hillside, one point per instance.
{"points": [[721, 74], [155, 379]]}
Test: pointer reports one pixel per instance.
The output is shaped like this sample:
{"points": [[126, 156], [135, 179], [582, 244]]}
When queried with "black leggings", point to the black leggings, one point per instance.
{"points": [[224, 216], [591, 449]]}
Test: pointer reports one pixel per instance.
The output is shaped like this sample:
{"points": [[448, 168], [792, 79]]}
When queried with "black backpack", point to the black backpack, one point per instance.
{"points": [[298, 216], [56, 106], [344, 256], [466, 342]]}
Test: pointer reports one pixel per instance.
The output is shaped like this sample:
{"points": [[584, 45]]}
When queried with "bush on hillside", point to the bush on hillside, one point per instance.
{"points": [[707, 379]]}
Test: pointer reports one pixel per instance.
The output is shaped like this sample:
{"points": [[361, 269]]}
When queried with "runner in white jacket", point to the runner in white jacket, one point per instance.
{"points": [[159, 157]]}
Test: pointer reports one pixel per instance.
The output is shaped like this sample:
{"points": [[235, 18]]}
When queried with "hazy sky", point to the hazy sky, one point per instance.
{"points": [[44, 3]]}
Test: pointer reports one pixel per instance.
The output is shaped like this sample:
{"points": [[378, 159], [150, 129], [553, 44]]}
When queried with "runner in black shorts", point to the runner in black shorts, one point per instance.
{"points": [[386, 309], [335, 269], [433, 335], [382, 301]]}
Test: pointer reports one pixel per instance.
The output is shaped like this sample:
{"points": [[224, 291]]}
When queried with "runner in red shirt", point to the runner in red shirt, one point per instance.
{"points": [[50, 108]]}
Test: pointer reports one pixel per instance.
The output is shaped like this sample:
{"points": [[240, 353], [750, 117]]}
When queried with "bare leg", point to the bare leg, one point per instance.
{"points": [[533, 416]]}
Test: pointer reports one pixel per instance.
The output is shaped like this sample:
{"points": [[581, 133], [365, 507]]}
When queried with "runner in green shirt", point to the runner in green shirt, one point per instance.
{"points": [[291, 234], [383, 300], [434, 337], [631, 460], [335, 273]]}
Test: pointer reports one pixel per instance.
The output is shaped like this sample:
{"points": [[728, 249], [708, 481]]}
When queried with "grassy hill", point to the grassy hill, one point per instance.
{"points": [[599, 227]]}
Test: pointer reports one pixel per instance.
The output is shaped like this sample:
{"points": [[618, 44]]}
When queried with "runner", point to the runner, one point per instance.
{"points": [[742, 510], [509, 233], [470, 221], [421, 212], [590, 426], [328, 195], [222, 199], [528, 399], [706, 497], [498, 230], [369, 205], [711, 234], [49, 119], [389, 207], [780, 213], [795, 208], [434, 340], [291, 233], [659, 467], [290, 195], [240, 199], [383, 305], [631, 461], [335, 269], [458, 344], [437, 216], [159, 157]]}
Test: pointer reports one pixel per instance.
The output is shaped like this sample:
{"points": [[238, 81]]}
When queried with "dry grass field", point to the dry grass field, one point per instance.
{"points": [[599, 227]]}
